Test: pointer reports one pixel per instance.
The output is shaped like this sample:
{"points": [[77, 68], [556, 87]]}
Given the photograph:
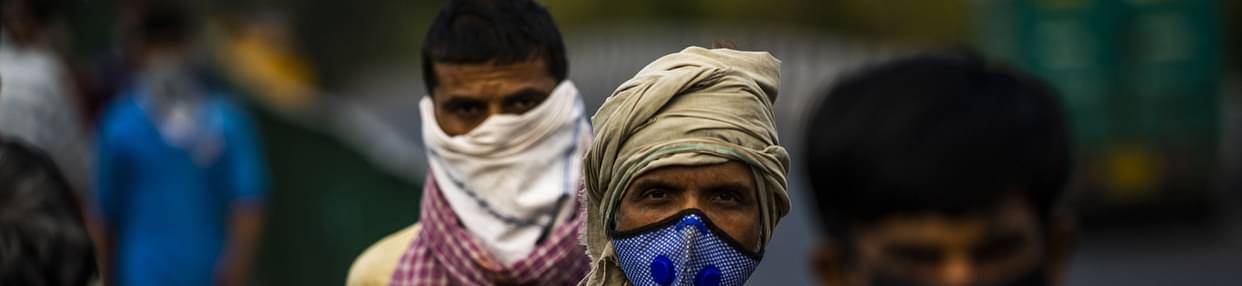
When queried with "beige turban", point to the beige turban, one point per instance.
{"points": [[695, 107]]}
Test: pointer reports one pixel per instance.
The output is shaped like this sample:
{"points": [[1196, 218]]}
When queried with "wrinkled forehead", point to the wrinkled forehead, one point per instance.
{"points": [[489, 75]]}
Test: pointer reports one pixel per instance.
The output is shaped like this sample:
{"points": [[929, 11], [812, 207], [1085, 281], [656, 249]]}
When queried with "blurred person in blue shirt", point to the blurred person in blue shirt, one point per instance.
{"points": [[180, 180], [940, 169]]}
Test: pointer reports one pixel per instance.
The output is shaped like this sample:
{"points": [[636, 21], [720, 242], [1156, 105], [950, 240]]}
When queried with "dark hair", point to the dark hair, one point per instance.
{"points": [[164, 22], [499, 31], [944, 133], [43, 240], [42, 12]]}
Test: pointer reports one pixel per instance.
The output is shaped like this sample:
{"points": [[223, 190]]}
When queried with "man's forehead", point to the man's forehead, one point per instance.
{"points": [[1012, 214], [488, 80], [465, 72]]}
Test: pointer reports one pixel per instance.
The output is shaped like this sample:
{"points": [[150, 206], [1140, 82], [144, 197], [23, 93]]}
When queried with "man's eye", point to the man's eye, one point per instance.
{"points": [[999, 250], [726, 197], [523, 104], [915, 256], [466, 109], [655, 194]]}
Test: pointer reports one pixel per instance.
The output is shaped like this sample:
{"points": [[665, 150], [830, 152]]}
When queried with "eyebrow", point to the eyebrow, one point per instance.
{"points": [[918, 249], [458, 100], [525, 94], [740, 188], [1002, 236], [654, 184]]}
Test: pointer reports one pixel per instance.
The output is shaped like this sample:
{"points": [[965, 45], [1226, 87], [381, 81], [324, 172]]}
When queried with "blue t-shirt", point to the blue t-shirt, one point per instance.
{"points": [[168, 200]]}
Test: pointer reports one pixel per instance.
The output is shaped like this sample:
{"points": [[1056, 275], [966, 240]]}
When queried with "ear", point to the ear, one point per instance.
{"points": [[1062, 241], [829, 263]]}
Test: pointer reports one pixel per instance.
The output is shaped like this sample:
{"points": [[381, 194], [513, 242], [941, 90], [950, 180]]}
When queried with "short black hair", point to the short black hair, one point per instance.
{"points": [[166, 22], [42, 235], [42, 12], [941, 132], [499, 31]]}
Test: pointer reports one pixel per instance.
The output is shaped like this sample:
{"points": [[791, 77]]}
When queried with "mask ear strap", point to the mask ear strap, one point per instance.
{"points": [[556, 212]]}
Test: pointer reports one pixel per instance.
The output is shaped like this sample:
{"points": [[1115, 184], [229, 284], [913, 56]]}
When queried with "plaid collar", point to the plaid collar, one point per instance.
{"points": [[444, 253]]}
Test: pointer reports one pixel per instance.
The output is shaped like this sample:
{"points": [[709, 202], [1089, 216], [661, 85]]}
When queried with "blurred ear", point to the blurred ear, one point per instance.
{"points": [[829, 263], [1062, 242]]}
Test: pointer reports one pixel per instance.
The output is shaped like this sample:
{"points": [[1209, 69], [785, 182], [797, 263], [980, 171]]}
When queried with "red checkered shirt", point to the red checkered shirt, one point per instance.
{"points": [[444, 253]]}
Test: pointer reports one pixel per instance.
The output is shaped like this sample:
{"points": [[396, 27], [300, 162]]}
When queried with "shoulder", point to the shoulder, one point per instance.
{"points": [[232, 109], [120, 111], [376, 264], [123, 105], [224, 101], [232, 115]]}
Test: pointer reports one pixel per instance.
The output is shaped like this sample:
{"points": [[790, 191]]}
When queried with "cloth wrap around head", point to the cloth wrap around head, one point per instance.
{"points": [[691, 108]]}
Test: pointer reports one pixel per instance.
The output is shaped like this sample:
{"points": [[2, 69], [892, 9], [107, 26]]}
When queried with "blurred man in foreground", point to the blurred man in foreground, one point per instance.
{"points": [[940, 170], [181, 180], [505, 134], [686, 180], [43, 240]]}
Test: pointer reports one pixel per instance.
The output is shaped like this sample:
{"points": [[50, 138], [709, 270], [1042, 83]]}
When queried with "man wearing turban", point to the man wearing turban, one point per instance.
{"points": [[686, 180]]}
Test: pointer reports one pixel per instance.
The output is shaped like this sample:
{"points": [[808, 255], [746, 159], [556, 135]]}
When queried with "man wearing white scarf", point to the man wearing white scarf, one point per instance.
{"points": [[519, 170], [505, 133]]}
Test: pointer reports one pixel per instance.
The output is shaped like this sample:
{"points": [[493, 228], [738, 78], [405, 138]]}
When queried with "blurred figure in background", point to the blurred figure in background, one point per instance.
{"points": [[181, 180], [43, 241], [260, 55], [505, 132], [940, 170], [687, 180], [36, 100]]}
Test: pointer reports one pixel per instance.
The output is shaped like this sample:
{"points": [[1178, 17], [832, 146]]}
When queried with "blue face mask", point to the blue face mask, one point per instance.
{"points": [[685, 249]]}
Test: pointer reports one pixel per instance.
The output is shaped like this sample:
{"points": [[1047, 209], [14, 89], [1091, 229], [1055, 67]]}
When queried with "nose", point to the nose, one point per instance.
{"points": [[958, 271], [693, 222], [494, 108], [691, 201]]}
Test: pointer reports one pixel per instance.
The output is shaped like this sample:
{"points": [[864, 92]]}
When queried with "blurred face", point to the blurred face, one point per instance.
{"points": [[725, 192], [467, 94], [16, 19], [1002, 246]]}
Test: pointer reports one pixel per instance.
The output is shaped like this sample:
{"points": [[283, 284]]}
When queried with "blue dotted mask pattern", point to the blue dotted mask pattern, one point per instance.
{"points": [[683, 251]]}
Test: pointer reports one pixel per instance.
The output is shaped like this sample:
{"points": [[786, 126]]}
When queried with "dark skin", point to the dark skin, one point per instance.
{"points": [[982, 248], [725, 192], [467, 94]]}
